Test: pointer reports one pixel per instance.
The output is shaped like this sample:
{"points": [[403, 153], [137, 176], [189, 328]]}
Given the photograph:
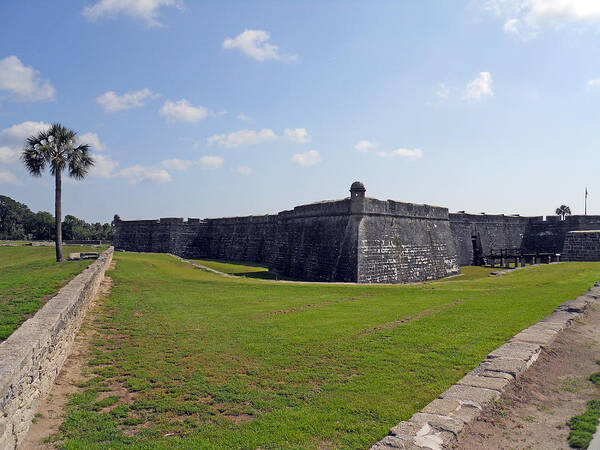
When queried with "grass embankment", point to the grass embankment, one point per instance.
{"points": [[217, 362], [29, 276]]}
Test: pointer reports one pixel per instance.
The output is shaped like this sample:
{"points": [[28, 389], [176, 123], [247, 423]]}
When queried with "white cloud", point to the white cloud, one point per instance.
{"points": [[244, 170], [93, 140], [254, 43], [7, 155], [8, 177], [413, 154], [443, 91], [243, 116], [525, 18], [176, 164], [299, 135], [365, 146], [138, 174], [183, 111], [21, 131], [594, 83], [112, 102], [309, 158], [146, 10], [242, 138], [480, 87], [23, 82], [103, 167], [12, 139], [210, 162]]}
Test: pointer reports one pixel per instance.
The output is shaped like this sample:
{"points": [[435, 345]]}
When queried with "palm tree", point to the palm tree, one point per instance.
{"points": [[57, 147], [563, 211]]}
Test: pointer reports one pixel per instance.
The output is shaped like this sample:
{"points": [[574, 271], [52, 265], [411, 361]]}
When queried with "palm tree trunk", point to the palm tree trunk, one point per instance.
{"points": [[58, 217]]}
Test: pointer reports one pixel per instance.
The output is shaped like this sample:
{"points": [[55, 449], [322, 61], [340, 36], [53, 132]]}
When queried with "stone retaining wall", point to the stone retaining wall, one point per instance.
{"points": [[31, 357], [437, 425], [582, 246]]}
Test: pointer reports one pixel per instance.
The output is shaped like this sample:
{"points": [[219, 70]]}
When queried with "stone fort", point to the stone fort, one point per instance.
{"points": [[362, 239]]}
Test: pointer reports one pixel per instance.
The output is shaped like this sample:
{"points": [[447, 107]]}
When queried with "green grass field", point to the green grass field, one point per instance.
{"points": [[28, 277], [217, 362]]}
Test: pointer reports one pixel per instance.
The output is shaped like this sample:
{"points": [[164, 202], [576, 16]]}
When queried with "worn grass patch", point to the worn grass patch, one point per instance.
{"points": [[220, 362], [28, 277]]}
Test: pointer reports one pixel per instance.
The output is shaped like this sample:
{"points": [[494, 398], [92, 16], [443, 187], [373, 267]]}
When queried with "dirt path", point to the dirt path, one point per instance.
{"points": [[49, 415], [532, 413]]}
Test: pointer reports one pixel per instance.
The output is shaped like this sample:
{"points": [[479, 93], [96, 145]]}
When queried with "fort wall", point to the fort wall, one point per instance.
{"points": [[582, 246], [357, 239], [486, 232], [354, 239], [404, 242]]}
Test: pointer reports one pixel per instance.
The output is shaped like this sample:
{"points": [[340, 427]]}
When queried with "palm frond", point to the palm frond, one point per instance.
{"points": [[80, 161]]}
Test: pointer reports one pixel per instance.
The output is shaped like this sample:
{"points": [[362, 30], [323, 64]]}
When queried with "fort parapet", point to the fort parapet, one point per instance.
{"points": [[357, 239]]}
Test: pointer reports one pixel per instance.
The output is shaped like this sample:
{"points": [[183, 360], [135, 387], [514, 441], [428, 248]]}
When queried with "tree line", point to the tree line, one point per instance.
{"points": [[17, 221]]}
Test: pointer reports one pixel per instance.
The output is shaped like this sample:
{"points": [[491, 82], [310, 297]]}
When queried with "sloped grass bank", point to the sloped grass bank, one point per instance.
{"points": [[215, 362], [28, 277]]}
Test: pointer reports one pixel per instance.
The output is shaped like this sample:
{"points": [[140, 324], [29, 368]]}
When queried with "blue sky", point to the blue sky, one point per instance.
{"points": [[209, 109]]}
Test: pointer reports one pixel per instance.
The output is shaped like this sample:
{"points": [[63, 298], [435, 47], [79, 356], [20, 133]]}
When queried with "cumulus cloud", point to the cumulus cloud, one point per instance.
{"points": [[256, 45], [480, 87], [412, 154], [244, 170], [306, 159], [243, 116], [594, 83], [143, 174], [176, 164], [13, 138], [299, 135], [206, 162], [442, 92], [8, 177], [8, 155], [23, 82], [210, 162], [103, 167], [19, 132], [365, 146], [526, 18], [146, 10], [112, 102], [242, 138], [93, 140], [183, 111]]}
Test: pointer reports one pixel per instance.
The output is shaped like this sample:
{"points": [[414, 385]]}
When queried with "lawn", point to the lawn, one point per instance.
{"points": [[29, 276], [216, 362]]}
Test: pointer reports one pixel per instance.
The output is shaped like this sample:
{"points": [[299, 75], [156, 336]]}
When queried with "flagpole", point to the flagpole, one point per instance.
{"points": [[585, 208]]}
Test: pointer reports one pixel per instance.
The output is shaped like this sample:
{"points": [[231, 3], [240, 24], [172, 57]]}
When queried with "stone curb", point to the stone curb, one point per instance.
{"points": [[32, 356], [437, 425]]}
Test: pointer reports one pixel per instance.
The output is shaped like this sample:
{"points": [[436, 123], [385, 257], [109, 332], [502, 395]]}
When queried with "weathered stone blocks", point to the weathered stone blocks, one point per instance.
{"points": [[357, 239], [31, 358]]}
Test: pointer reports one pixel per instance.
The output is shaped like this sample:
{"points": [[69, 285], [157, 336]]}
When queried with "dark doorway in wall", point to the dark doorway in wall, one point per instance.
{"points": [[477, 251]]}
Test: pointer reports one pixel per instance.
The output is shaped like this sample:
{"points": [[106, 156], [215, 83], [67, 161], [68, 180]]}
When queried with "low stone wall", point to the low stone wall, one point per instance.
{"points": [[31, 358], [582, 246], [437, 425]]}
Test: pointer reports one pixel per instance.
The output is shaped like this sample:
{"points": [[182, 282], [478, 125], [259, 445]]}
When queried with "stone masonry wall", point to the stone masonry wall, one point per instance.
{"points": [[582, 246], [31, 357], [399, 242], [404, 242], [527, 233], [490, 231]]}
